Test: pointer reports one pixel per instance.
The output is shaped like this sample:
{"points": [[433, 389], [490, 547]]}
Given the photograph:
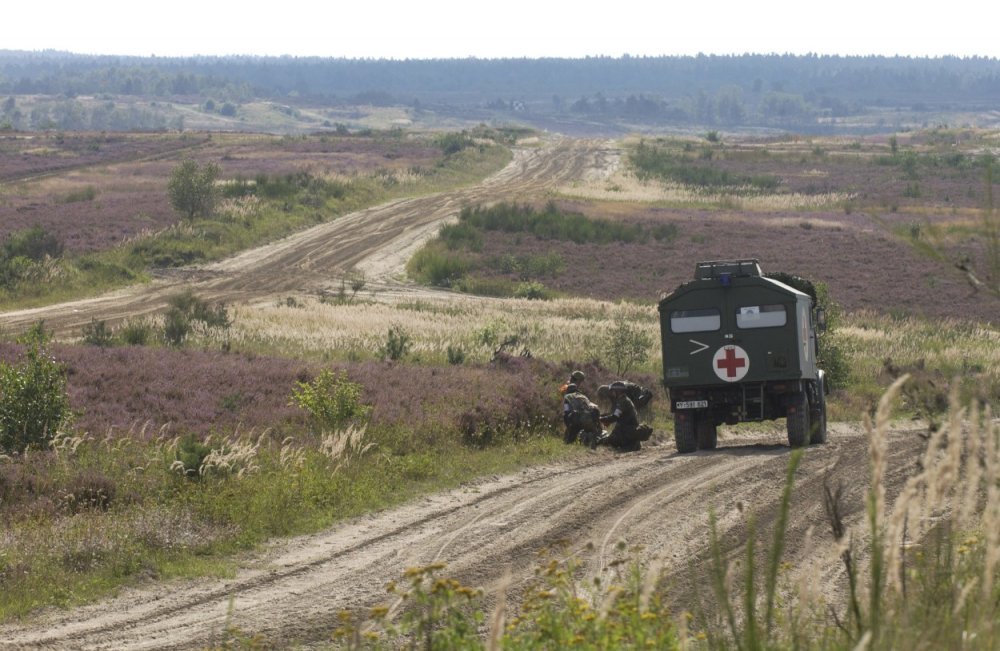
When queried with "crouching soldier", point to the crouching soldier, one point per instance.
{"points": [[628, 433], [638, 394], [581, 417]]}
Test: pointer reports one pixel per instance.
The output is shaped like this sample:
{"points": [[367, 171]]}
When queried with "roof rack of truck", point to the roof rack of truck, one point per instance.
{"points": [[732, 268]]}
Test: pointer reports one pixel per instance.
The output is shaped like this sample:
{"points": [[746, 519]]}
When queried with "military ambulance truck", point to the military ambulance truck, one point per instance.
{"points": [[739, 346]]}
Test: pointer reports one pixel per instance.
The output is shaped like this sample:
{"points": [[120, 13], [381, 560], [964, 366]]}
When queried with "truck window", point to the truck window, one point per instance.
{"points": [[703, 320], [761, 316]]}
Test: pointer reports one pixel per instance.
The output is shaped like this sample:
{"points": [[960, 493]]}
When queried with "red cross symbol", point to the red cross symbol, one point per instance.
{"points": [[731, 362]]}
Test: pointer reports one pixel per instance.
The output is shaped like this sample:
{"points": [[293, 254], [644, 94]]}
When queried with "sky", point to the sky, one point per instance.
{"points": [[423, 29]]}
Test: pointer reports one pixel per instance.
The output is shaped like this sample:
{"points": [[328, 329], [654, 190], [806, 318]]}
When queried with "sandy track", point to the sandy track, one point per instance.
{"points": [[377, 241], [290, 594], [654, 498]]}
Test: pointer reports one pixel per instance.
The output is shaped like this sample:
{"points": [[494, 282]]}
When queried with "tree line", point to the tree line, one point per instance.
{"points": [[708, 89]]}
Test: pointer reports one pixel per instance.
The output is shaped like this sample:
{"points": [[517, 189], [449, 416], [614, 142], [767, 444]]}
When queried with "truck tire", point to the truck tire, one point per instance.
{"points": [[684, 432], [798, 419], [817, 414], [707, 432]]}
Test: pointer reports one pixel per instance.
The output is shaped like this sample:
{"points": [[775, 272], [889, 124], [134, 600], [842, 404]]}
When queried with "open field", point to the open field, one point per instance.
{"points": [[96, 191], [437, 421]]}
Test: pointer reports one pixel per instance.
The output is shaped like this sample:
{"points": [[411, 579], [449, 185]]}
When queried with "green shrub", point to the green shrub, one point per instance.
{"points": [[136, 332], [456, 355], [33, 401], [532, 290], [186, 309], [461, 236], [97, 333], [191, 454], [192, 190], [625, 345], [435, 267], [33, 243], [176, 327], [651, 162], [84, 194], [332, 400], [398, 343], [551, 223]]}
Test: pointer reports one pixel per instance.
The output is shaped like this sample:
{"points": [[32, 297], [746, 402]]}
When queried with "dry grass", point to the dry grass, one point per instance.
{"points": [[953, 346], [625, 187], [556, 330]]}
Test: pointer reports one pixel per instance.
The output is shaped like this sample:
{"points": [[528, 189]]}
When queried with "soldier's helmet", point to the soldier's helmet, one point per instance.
{"points": [[570, 388], [577, 377], [617, 386], [604, 392]]}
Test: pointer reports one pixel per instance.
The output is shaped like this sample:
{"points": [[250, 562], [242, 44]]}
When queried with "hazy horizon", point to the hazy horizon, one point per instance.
{"points": [[448, 29]]}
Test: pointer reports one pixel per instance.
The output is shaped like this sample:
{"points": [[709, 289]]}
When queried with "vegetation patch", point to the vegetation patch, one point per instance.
{"points": [[650, 161], [216, 216], [456, 258]]}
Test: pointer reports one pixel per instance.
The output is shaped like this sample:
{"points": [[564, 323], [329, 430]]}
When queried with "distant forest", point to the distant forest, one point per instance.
{"points": [[784, 91]]}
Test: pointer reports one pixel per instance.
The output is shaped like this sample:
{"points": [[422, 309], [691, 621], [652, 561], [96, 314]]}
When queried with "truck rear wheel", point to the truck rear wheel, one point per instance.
{"points": [[798, 420], [684, 432], [707, 431]]}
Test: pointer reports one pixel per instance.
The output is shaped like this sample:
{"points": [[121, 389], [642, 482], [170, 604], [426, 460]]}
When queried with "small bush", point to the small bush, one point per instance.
{"points": [[88, 193], [398, 343], [136, 332], [332, 400], [33, 400], [456, 356], [532, 291], [34, 243], [97, 333], [190, 456], [626, 345], [436, 267], [186, 310]]}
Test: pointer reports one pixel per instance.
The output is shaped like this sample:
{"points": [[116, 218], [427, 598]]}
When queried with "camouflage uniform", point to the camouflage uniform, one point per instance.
{"points": [[580, 415], [627, 434], [638, 394]]}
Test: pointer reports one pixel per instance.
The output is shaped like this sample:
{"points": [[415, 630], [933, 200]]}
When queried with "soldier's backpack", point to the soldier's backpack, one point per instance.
{"points": [[579, 404]]}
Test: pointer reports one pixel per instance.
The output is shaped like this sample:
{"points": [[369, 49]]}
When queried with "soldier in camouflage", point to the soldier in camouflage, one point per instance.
{"points": [[628, 433], [581, 417]]}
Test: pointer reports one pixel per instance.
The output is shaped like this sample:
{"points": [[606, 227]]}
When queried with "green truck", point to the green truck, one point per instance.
{"points": [[740, 346]]}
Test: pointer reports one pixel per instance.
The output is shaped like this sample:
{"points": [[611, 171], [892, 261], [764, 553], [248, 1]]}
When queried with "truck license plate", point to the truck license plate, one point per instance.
{"points": [[692, 404]]}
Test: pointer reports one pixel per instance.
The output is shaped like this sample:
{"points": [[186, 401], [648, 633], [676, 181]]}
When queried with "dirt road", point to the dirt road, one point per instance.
{"points": [[377, 241], [655, 498]]}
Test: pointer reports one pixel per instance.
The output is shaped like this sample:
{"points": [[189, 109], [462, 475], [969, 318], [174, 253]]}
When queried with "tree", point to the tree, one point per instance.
{"points": [[192, 188], [625, 345]]}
